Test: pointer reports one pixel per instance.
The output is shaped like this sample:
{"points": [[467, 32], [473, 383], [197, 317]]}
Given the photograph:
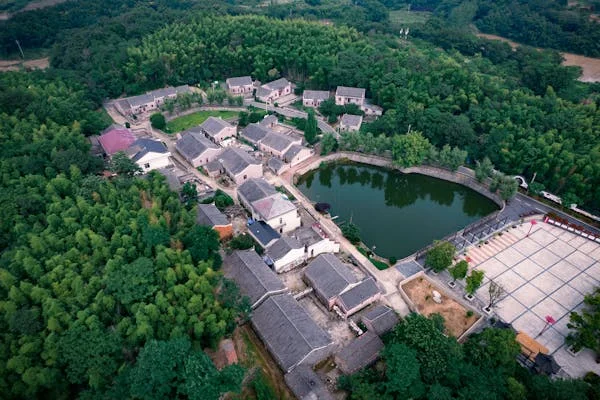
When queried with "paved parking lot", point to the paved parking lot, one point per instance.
{"points": [[544, 274]]}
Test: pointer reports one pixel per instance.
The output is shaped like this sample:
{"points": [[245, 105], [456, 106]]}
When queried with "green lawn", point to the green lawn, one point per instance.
{"points": [[403, 18], [187, 121]]}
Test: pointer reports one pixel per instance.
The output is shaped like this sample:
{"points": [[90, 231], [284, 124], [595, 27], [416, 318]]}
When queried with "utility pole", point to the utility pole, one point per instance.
{"points": [[409, 126], [20, 49]]}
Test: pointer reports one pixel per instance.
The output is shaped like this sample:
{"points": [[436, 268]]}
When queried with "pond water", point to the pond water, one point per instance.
{"points": [[397, 214]]}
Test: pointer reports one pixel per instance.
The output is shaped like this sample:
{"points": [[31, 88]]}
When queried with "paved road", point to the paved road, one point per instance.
{"points": [[292, 113]]}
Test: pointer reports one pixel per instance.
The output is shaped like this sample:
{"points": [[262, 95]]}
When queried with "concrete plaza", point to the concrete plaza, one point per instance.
{"points": [[545, 273]]}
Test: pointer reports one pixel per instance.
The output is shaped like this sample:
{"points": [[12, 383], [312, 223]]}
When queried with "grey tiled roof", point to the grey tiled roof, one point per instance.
{"points": [[193, 143], [329, 276], [255, 133], [273, 207], [143, 146], [254, 278], [262, 92], [277, 84], [209, 214], [213, 166], [359, 293], [140, 100], [282, 247], [351, 120], [275, 164], [315, 94], [381, 318], [263, 233], [293, 151], [287, 330], [239, 81], [361, 352], [306, 385], [276, 141], [268, 120], [350, 91], [256, 189], [235, 160], [213, 126]]}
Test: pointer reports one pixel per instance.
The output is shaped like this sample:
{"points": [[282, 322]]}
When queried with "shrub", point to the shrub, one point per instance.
{"points": [[351, 232], [157, 120]]}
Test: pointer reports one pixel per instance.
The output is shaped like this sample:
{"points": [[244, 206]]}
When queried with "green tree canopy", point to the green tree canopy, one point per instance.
{"points": [[440, 256]]}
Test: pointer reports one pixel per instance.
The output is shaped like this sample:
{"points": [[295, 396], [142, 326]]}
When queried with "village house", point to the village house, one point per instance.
{"points": [[296, 154], [269, 121], [306, 384], [196, 148], [254, 133], [360, 353], [285, 254], [271, 91], [149, 154], [217, 130], [329, 277], [350, 123], [241, 85], [149, 101], [314, 240], [349, 95], [277, 166], [371, 110], [115, 138], [265, 203], [277, 144], [253, 277], [239, 165], [358, 297], [209, 215], [314, 98], [381, 319], [290, 334], [264, 235]]}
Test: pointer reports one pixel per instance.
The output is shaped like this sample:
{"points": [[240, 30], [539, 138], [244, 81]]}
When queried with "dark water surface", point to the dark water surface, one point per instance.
{"points": [[397, 213]]}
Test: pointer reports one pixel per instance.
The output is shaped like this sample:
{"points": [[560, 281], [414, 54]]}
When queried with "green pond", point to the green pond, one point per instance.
{"points": [[397, 213]]}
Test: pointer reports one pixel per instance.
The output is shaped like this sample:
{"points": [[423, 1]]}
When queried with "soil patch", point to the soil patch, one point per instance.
{"points": [[420, 290], [590, 66], [15, 65]]}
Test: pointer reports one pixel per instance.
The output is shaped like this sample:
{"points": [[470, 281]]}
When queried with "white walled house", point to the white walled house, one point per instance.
{"points": [[277, 144], [314, 98], [149, 101], [149, 154], [315, 241], [349, 95], [271, 91], [285, 254], [296, 154], [239, 165], [217, 130], [241, 85], [196, 148], [350, 122]]}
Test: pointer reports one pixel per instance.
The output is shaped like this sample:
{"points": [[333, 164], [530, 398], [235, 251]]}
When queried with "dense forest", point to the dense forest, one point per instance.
{"points": [[420, 362], [100, 281]]}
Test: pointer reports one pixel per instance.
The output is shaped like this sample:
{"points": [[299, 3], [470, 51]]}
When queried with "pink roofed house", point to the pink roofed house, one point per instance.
{"points": [[116, 138]]}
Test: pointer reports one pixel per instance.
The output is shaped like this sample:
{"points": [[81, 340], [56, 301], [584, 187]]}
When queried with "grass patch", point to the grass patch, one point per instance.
{"points": [[380, 265], [402, 18], [187, 121]]}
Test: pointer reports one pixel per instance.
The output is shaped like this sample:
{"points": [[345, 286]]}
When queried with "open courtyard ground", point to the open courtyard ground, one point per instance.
{"points": [[187, 121], [457, 318], [545, 273]]}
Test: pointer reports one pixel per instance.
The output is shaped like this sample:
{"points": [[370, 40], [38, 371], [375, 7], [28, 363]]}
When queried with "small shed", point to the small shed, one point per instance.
{"points": [[360, 353], [380, 319]]}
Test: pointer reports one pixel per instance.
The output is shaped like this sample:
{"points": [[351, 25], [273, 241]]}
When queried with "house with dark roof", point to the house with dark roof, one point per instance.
{"points": [[289, 333], [358, 296], [217, 129], [149, 101], [149, 154], [240, 85], [314, 98], [196, 148], [296, 154], [239, 165], [371, 109], [306, 384], [271, 91], [210, 215], [254, 133], [264, 235], [329, 277], [315, 240], [285, 254], [350, 123], [265, 203], [360, 353], [277, 166], [254, 278], [277, 144], [116, 138], [269, 121], [381, 319], [349, 95]]}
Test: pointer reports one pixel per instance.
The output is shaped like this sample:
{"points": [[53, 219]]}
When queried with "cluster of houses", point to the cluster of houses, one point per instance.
{"points": [[147, 153]]}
